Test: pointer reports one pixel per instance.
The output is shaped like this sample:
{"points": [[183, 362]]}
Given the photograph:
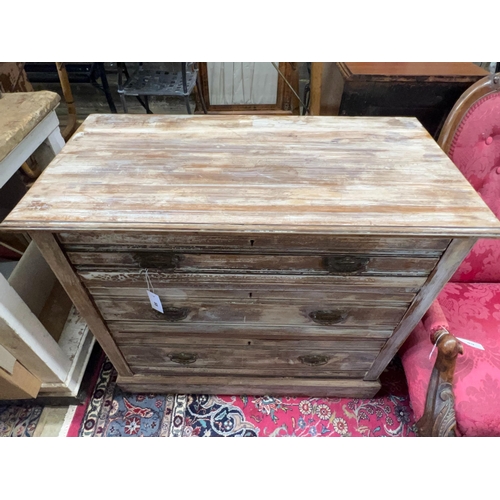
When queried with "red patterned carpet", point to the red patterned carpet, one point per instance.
{"points": [[111, 412]]}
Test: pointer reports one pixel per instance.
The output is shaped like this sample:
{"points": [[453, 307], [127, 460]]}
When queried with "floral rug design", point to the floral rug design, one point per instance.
{"points": [[19, 420], [111, 412]]}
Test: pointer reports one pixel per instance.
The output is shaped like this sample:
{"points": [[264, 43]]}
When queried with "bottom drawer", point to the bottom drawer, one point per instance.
{"points": [[348, 359]]}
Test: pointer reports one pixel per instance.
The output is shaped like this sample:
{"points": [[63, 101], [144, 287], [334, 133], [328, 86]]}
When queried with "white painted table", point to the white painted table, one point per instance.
{"points": [[27, 120]]}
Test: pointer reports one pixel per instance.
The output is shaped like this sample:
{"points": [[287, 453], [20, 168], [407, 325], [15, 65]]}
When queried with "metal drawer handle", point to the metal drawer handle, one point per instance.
{"points": [[159, 260], [346, 264], [174, 313], [314, 359], [183, 358], [329, 317]]}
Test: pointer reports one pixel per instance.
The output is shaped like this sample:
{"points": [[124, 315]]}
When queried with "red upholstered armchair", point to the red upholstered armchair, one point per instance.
{"points": [[457, 390]]}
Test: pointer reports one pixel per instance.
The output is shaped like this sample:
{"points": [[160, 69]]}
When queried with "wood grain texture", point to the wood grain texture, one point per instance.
{"points": [[279, 246], [316, 88], [331, 89], [20, 384], [154, 332], [134, 279], [262, 360], [248, 312], [487, 85], [54, 256], [257, 386], [270, 264], [257, 293], [248, 243], [345, 175], [257, 343], [444, 71], [439, 418], [421, 90], [455, 253]]}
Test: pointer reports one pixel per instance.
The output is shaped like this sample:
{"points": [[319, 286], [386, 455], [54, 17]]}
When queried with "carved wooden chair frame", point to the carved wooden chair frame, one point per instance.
{"points": [[439, 415]]}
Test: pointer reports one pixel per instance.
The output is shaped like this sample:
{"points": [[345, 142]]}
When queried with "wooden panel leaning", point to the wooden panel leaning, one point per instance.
{"points": [[291, 255], [40, 328]]}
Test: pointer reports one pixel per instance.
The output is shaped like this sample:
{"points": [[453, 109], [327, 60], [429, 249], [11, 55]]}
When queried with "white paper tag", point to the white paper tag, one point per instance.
{"points": [[155, 301], [471, 343]]}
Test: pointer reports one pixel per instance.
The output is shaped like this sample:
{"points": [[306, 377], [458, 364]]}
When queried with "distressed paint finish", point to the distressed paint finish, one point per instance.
{"points": [[247, 360], [20, 113], [255, 264], [349, 175], [292, 255], [257, 386], [243, 312], [149, 332], [452, 257], [244, 242]]}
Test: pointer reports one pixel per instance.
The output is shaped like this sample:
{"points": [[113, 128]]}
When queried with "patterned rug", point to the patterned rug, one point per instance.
{"points": [[19, 420], [111, 412]]}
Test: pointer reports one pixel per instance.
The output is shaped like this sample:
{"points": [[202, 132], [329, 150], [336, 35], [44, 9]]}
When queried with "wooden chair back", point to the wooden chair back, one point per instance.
{"points": [[478, 90]]}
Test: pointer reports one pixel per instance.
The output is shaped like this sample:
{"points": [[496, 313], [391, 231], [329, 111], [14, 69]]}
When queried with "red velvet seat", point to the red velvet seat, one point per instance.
{"points": [[469, 306]]}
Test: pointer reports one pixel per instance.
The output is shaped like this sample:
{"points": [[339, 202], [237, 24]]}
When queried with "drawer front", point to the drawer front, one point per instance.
{"points": [[95, 280], [255, 293], [251, 243], [250, 311], [262, 360], [333, 264], [156, 332]]}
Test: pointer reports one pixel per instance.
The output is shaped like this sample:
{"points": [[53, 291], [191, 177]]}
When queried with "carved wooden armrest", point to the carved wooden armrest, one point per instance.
{"points": [[439, 418]]}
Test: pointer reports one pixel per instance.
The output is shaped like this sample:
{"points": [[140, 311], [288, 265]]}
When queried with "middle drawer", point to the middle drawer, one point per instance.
{"points": [[304, 312]]}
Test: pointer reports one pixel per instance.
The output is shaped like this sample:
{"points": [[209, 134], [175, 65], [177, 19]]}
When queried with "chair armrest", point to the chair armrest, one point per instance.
{"points": [[439, 415], [434, 320]]}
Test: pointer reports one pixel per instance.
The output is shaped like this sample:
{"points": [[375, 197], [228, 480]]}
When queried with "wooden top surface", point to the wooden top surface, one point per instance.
{"points": [[351, 175], [445, 71], [20, 113]]}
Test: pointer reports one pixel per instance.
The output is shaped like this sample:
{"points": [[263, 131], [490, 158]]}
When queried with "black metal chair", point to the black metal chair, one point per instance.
{"points": [[151, 80]]}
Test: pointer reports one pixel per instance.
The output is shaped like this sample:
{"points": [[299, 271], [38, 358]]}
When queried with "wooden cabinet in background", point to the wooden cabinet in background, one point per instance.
{"points": [[425, 90]]}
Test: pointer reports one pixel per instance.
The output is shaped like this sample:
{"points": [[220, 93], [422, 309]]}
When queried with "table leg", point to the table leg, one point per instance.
{"points": [[55, 141]]}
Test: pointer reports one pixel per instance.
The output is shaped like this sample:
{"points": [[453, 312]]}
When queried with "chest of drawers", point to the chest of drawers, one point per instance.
{"points": [[291, 255]]}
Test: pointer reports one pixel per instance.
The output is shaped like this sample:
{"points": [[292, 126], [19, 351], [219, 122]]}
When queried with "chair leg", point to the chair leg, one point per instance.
{"points": [[146, 105], [439, 419], [124, 103], [123, 66], [105, 87], [188, 106], [68, 97], [184, 86], [200, 95]]}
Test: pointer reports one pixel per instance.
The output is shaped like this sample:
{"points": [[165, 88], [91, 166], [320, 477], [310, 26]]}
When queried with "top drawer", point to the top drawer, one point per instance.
{"points": [[252, 243]]}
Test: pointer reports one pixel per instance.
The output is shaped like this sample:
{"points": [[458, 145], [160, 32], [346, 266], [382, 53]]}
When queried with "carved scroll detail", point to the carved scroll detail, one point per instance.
{"points": [[439, 418]]}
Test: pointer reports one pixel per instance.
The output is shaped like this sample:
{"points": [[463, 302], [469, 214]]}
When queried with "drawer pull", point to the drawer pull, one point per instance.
{"points": [[158, 260], [328, 317], [183, 358], [174, 313], [314, 359], [346, 264]]}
